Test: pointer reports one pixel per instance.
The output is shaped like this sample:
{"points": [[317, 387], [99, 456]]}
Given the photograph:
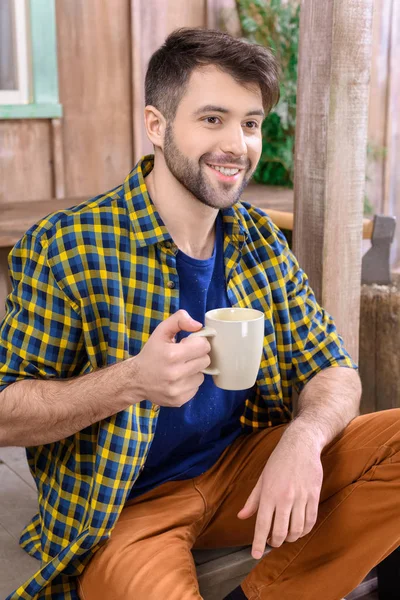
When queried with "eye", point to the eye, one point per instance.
{"points": [[252, 124], [207, 119]]}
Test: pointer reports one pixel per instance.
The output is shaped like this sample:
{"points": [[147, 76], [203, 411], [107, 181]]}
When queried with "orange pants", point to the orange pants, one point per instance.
{"points": [[148, 556]]}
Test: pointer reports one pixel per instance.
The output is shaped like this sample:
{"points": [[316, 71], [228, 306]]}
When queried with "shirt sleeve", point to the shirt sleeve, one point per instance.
{"points": [[316, 343], [41, 334]]}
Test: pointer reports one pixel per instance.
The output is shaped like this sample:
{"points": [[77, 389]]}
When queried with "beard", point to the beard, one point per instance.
{"points": [[192, 175]]}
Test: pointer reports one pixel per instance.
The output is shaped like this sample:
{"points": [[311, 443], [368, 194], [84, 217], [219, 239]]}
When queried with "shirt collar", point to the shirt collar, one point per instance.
{"points": [[147, 224]]}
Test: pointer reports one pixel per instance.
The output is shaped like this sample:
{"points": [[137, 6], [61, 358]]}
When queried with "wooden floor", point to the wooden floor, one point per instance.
{"points": [[18, 505]]}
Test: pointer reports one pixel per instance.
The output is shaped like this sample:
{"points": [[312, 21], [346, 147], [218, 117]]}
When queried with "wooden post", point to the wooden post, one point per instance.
{"points": [[392, 173], [380, 346], [330, 153], [57, 145]]}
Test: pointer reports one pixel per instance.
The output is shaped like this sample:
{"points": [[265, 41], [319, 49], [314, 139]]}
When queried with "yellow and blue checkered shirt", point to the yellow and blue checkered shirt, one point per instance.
{"points": [[89, 286]]}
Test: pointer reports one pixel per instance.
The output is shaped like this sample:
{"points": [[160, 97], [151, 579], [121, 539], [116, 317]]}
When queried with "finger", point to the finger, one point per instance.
{"points": [[296, 522], [280, 525], [311, 516], [191, 348], [263, 527], [252, 503], [193, 367], [179, 321], [194, 382]]}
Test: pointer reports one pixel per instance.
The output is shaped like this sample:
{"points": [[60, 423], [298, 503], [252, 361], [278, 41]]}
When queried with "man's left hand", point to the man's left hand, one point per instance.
{"points": [[286, 496]]}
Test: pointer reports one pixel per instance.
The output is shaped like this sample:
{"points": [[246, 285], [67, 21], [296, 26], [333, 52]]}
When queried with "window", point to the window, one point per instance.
{"points": [[28, 60], [14, 85]]}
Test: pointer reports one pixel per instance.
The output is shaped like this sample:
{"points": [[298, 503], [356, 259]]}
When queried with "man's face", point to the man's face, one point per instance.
{"points": [[217, 126]]}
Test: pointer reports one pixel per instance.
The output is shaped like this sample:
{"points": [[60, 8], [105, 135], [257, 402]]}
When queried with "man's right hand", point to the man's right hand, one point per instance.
{"points": [[169, 374]]}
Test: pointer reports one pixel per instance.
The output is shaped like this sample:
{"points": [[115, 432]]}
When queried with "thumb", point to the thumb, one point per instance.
{"points": [[179, 321], [252, 503]]}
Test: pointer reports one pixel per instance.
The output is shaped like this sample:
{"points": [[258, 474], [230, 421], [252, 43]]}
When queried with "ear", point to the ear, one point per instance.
{"points": [[155, 125]]}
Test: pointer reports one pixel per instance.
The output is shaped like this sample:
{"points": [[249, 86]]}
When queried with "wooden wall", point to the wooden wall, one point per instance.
{"points": [[148, 34], [383, 185], [103, 48]]}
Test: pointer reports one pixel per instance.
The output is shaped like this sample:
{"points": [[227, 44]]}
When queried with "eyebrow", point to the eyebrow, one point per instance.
{"points": [[213, 108]]}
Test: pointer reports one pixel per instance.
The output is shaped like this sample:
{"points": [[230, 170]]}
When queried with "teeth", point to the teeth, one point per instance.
{"points": [[224, 170]]}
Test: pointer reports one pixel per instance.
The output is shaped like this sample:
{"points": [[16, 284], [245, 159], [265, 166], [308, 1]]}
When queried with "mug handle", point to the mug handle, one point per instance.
{"points": [[206, 332]]}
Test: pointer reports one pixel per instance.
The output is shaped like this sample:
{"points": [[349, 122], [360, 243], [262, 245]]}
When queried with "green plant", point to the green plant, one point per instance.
{"points": [[275, 24]]}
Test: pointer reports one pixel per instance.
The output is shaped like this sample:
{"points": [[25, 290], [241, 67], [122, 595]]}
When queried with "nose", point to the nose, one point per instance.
{"points": [[233, 141]]}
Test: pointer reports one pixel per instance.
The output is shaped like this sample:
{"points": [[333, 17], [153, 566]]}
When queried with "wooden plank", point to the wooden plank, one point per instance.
{"points": [[367, 354], [19, 217], [387, 347], [380, 346], [202, 557], [392, 172], [148, 34], [378, 106], [5, 284], [58, 158], [367, 588], [95, 90], [25, 161], [330, 154], [220, 576], [25, 173], [277, 202]]}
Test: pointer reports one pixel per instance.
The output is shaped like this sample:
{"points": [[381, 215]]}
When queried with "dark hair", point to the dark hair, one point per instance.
{"points": [[185, 49]]}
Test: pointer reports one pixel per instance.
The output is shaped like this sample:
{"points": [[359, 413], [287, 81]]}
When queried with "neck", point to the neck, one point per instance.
{"points": [[190, 223]]}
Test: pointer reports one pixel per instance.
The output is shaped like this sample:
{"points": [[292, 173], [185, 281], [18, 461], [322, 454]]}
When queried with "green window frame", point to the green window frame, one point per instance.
{"points": [[42, 42]]}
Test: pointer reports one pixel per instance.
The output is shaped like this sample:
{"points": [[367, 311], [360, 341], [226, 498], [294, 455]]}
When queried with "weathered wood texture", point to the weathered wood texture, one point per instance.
{"points": [[392, 175], [383, 184], [25, 170], [91, 150], [5, 283], [57, 144], [223, 14], [377, 117], [94, 41], [25, 160], [148, 33], [380, 346], [218, 576], [330, 154], [17, 217]]}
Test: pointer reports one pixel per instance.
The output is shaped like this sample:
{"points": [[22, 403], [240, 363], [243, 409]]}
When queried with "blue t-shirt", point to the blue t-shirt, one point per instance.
{"points": [[189, 439]]}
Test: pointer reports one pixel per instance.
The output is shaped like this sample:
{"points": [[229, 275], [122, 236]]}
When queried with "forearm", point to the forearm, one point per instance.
{"points": [[327, 404], [35, 412]]}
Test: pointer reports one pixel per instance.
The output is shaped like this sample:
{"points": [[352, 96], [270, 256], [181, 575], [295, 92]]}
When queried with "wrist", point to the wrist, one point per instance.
{"points": [[304, 433], [133, 380]]}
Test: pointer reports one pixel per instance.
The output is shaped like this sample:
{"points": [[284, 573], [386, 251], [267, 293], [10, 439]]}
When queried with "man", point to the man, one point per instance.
{"points": [[137, 456]]}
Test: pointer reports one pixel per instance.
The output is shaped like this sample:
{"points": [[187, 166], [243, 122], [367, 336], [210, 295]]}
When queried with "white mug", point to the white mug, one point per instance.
{"points": [[236, 336]]}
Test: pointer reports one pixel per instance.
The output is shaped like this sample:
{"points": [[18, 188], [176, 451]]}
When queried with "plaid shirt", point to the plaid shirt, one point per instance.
{"points": [[89, 286]]}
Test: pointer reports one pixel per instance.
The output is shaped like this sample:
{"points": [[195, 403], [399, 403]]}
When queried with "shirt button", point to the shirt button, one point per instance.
{"points": [[168, 244], [171, 285]]}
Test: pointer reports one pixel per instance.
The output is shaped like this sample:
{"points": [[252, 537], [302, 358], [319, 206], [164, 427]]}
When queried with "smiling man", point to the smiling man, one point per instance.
{"points": [[137, 456]]}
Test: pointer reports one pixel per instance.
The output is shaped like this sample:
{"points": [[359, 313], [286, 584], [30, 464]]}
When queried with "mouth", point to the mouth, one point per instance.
{"points": [[226, 174]]}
